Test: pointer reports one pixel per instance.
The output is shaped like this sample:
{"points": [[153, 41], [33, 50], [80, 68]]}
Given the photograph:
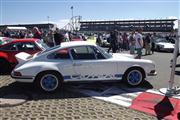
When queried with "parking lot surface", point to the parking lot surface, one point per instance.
{"points": [[27, 103]]}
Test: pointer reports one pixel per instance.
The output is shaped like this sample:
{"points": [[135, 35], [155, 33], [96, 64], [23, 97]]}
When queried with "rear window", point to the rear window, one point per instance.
{"points": [[60, 54], [49, 49], [5, 41]]}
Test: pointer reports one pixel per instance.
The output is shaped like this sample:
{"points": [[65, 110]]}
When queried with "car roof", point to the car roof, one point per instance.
{"points": [[75, 43], [25, 40], [20, 40]]}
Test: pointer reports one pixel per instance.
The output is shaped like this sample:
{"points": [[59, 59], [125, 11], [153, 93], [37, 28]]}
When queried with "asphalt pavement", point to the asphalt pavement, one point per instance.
{"points": [[162, 60]]}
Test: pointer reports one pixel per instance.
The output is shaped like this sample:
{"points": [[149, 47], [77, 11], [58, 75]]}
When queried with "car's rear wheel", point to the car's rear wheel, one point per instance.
{"points": [[134, 76], [48, 81]]}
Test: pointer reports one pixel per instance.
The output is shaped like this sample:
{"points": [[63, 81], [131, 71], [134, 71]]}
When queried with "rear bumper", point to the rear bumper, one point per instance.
{"points": [[26, 79]]}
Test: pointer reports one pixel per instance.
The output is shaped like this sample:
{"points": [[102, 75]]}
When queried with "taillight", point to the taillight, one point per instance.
{"points": [[17, 74]]}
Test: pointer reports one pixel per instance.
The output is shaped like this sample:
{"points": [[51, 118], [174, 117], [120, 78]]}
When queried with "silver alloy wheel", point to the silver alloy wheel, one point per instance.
{"points": [[134, 77], [49, 82]]}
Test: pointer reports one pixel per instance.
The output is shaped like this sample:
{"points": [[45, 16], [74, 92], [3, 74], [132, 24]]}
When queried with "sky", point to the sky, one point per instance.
{"points": [[60, 12]]}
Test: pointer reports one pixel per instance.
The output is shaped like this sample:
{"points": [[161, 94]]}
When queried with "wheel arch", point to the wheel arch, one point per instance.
{"points": [[49, 71], [136, 67], [4, 58], [6, 64]]}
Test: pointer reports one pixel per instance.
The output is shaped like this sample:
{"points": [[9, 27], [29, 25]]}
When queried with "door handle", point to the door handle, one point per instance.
{"points": [[77, 64]]}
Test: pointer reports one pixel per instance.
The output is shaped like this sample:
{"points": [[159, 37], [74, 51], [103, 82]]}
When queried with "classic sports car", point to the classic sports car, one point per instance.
{"points": [[10, 47], [80, 61], [161, 44]]}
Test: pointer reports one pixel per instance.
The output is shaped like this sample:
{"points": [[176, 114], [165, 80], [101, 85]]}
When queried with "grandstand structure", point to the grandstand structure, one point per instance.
{"points": [[155, 25], [77, 24]]}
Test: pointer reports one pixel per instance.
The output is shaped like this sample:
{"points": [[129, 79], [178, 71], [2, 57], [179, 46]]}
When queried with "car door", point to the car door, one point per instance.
{"points": [[88, 66], [62, 60]]}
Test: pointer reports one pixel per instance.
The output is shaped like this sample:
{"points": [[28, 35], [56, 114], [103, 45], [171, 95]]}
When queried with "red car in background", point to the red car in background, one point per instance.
{"points": [[76, 38], [10, 47]]}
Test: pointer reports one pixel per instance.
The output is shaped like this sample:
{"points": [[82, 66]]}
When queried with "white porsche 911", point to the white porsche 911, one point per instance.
{"points": [[80, 61], [161, 44]]}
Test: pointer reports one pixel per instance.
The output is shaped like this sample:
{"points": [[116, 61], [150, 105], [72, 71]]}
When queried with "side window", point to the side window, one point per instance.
{"points": [[20, 46], [98, 54], [82, 53], [11, 47], [23, 46], [30, 46], [60, 54]]}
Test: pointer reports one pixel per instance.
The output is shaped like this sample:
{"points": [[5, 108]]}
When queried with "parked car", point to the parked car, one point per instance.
{"points": [[76, 38], [80, 61], [10, 47], [105, 42], [102, 41], [161, 44]]}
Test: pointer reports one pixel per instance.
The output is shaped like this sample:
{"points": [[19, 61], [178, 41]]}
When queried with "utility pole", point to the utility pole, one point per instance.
{"points": [[72, 18], [48, 21]]}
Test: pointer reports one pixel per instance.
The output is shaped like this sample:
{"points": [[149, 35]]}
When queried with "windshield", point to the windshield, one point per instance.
{"points": [[5, 40], [41, 44], [161, 40], [107, 55]]}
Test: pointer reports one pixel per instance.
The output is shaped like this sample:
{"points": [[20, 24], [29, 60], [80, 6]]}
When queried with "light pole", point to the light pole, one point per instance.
{"points": [[72, 11], [48, 21], [72, 18]]}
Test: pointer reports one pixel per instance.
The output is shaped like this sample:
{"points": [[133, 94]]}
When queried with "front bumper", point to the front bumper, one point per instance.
{"points": [[152, 73], [167, 49]]}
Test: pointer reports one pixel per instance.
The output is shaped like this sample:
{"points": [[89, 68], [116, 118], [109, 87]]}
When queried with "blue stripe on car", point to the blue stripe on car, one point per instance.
{"points": [[67, 77], [118, 75], [90, 77]]}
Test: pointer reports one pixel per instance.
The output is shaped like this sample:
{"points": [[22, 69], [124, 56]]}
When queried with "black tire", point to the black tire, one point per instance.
{"points": [[48, 81], [130, 74], [4, 66]]}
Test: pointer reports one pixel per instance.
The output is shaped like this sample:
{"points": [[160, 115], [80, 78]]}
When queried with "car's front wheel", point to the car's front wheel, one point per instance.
{"points": [[48, 81], [134, 76]]}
